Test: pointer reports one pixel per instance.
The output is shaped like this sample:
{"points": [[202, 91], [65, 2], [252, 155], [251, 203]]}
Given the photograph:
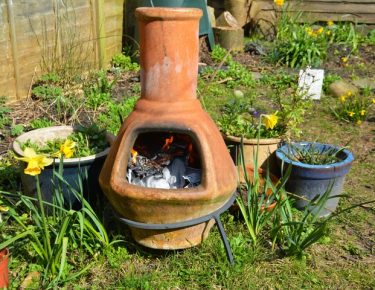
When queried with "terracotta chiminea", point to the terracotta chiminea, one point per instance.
{"points": [[168, 104]]}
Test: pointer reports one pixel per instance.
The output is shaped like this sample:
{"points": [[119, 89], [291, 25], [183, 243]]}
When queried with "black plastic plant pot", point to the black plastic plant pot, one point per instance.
{"points": [[309, 181]]}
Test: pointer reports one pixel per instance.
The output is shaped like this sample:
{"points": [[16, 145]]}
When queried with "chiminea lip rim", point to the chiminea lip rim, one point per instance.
{"points": [[168, 13]]}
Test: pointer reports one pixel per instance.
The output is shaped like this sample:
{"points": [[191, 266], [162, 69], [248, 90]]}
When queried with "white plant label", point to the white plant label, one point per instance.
{"points": [[310, 83]]}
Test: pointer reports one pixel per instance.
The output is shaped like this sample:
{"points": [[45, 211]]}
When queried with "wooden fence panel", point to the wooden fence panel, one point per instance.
{"points": [[35, 34]]}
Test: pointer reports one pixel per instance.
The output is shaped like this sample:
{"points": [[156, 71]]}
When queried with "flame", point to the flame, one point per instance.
{"points": [[190, 150], [168, 142], [134, 156]]}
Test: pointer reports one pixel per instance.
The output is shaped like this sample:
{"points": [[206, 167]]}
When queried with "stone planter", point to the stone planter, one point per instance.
{"points": [[266, 152], [87, 167], [308, 181]]}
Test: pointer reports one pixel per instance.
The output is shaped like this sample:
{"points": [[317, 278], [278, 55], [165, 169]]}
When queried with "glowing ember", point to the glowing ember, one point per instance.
{"points": [[134, 156], [168, 143]]}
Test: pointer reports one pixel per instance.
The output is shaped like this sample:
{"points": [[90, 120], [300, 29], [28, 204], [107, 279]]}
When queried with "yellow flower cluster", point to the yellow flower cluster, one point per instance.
{"points": [[37, 162], [343, 97], [330, 23], [314, 32], [270, 121], [279, 3]]}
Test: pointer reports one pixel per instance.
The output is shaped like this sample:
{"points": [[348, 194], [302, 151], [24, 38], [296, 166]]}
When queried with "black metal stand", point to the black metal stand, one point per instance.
{"points": [[214, 215]]}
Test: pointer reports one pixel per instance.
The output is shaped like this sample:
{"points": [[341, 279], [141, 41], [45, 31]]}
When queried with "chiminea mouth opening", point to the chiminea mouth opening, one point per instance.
{"points": [[164, 159]]}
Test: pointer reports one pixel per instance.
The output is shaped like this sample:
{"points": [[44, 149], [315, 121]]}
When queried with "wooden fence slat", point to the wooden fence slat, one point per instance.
{"points": [[35, 23]]}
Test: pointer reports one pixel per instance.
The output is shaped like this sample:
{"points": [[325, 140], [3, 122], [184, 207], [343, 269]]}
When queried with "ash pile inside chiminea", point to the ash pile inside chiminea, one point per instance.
{"points": [[164, 160]]}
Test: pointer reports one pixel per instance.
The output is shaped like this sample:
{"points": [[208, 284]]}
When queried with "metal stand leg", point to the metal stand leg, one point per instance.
{"points": [[224, 239]]}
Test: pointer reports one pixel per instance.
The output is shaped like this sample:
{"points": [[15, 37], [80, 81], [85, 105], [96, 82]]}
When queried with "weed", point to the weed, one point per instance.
{"points": [[346, 34], [16, 130], [371, 37], [4, 113], [220, 55], [114, 113], [9, 174], [233, 74], [99, 93], [41, 123], [328, 80], [124, 62]]}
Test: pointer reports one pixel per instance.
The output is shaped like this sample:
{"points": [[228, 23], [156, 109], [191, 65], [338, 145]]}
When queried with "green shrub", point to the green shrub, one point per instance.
{"points": [[299, 45]]}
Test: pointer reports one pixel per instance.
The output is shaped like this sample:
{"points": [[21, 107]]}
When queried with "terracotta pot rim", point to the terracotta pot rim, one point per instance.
{"points": [[167, 13], [253, 141], [70, 161]]}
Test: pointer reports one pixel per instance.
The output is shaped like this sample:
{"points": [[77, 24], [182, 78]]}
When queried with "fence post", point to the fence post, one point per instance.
{"points": [[100, 32], [13, 40]]}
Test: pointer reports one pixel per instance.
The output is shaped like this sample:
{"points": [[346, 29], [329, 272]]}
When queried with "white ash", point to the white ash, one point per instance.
{"points": [[175, 175]]}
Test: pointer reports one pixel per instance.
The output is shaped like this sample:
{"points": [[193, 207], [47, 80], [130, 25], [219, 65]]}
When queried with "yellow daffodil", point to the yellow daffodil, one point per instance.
{"points": [[319, 30], [35, 162], [66, 149], [342, 99], [349, 93], [270, 121], [344, 59], [279, 3], [373, 101], [330, 23], [328, 33], [359, 122], [351, 113], [310, 32], [363, 112], [4, 208]]}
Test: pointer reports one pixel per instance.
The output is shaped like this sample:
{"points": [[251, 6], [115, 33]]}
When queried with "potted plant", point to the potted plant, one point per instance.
{"points": [[315, 169], [75, 150], [260, 134]]}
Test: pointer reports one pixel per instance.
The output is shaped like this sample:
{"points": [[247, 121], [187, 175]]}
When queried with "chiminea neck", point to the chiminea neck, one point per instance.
{"points": [[169, 53]]}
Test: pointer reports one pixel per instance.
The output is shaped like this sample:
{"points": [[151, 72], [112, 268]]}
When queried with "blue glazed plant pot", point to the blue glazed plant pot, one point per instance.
{"points": [[87, 168], [309, 181]]}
